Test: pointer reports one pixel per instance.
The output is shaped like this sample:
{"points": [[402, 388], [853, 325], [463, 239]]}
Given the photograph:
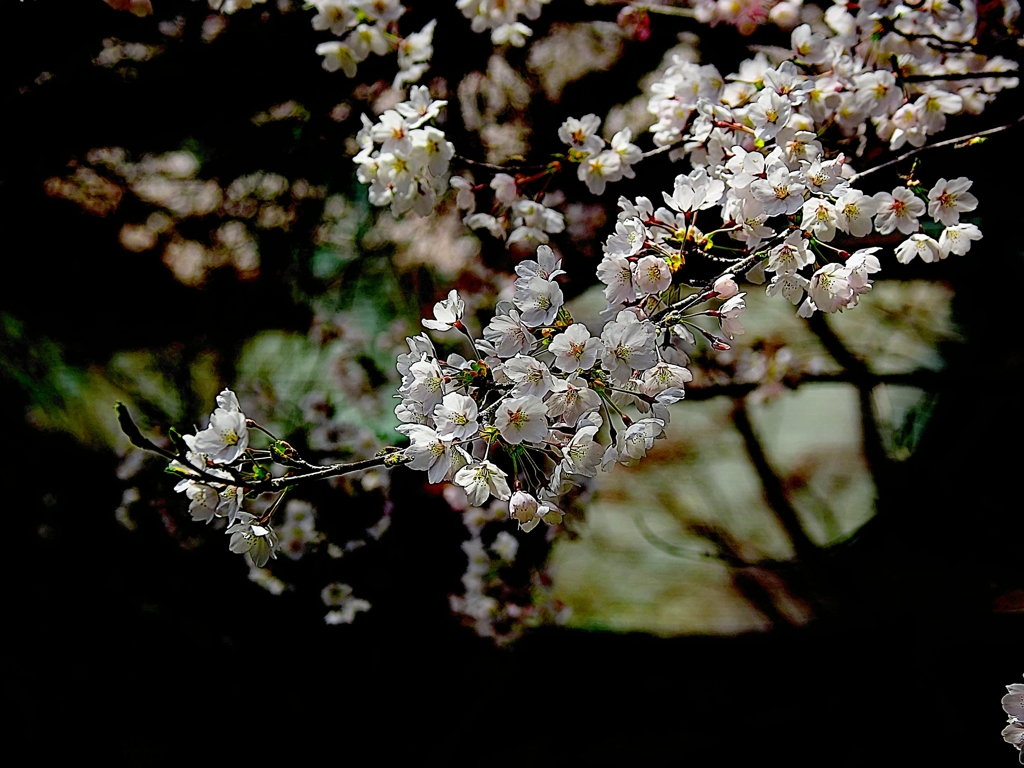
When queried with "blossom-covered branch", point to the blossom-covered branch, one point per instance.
{"points": [[218, 470]]}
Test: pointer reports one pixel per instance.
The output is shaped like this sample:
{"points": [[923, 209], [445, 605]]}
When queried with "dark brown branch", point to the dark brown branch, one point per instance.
{"points": [[946, 143], [682, 552], [922, 378], [865, 381], [958, 76], [695, 298], [388, 458], [500, 168], [774, 492]]}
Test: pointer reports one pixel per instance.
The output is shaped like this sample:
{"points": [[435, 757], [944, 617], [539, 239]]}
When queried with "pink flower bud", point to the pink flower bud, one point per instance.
{"points": [[635, 23], [725, 287]]}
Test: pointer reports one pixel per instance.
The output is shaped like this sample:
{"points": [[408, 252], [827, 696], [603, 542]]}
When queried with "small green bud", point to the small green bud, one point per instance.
{"points": [[396, 460], [283, 453]]}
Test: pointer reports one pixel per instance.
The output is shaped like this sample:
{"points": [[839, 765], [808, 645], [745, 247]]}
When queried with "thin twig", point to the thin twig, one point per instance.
{"points": [[958, 76], [128, 426], [500, 168], [696, 298], [945, 143], [277, 483], [660, 150]]}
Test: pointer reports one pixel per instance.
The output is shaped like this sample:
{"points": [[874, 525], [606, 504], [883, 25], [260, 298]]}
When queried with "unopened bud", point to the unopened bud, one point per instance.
{"points": [[786, 14], [283, 453], [725, 287], [396, 459], [635, 23]]}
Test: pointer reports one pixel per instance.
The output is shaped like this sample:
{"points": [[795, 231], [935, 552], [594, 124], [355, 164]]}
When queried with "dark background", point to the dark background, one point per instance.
{"points": [[128, 647]]}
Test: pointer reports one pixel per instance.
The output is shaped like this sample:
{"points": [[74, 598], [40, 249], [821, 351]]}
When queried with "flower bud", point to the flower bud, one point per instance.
{"points": [[725, 287], [635, 23], [786, 14], [523, 507]]}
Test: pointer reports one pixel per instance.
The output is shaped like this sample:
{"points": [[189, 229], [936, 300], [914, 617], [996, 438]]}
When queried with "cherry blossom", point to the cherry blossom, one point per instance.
{"points": [[447, 313], [227, 437], [899, 210], [948, 199], [957, 239], [575, 348], [919, 245], [830, 288], [481, 481]]}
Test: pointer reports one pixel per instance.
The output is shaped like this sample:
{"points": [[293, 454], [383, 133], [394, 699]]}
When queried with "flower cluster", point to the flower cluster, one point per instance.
{"points": [[536, 390], [748, 15], [515, 216], [598, 165], [403, 160], [880, 66], [216, 453], [807, 206], [371, 26], [492, 604], [502, 18], [756, 144], [543, 402], [758, 141], [343, 603], [1013, 706]]}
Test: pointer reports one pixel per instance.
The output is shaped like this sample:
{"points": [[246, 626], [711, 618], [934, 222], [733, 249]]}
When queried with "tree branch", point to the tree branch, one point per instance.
{"points": [[957, 76], [500, 168], [921, 378], [695, 298], [865, 381], [387, 458], [945, 143], [774, 492]]}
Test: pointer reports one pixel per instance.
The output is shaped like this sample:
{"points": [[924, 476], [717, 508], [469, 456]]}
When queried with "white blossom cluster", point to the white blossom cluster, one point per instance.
{"points": [[366, 26], [217, 452], [598, 165], [492, 606], [543, 403], [845, 77], [343, 603], [1013, 706], [537, 391], [370, 26], [403, 160], [502, 18], [758, 156], [806, 203], [748, 15], [475, 605], [515, 217]]}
